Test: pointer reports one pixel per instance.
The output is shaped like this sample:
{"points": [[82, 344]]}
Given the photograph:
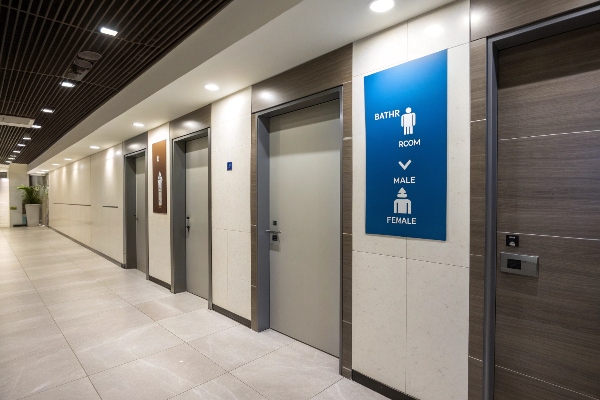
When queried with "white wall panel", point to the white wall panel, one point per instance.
{"points": [[159, 226], [410, 296], [230, 142]]}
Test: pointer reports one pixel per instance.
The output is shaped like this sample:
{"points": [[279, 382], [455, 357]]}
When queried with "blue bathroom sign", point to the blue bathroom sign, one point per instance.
{"points": [[406, 112]]}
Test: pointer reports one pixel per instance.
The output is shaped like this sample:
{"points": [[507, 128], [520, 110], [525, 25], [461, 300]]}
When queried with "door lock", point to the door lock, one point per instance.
{"points": [[187, 223]]}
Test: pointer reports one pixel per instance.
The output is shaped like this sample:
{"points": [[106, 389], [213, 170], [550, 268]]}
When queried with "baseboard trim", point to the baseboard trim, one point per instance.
{"points": [[112, 260], [233, 316], [379, 387], [159, 282]]}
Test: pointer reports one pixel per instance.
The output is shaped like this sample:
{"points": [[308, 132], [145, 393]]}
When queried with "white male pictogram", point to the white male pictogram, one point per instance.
{"points": [[408, 120]]}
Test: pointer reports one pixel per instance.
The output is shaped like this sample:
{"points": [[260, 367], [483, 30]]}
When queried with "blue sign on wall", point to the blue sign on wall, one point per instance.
{"points": [[406, 119]]}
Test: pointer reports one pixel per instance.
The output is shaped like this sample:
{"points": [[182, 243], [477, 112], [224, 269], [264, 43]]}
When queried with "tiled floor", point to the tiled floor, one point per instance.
{"points": [[75, 326]]}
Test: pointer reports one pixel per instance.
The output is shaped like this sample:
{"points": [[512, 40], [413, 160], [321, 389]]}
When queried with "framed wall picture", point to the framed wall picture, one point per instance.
{"points": [[159, 176]]}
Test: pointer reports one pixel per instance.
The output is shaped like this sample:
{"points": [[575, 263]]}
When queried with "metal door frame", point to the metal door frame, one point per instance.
{"points": [[551, 27], [263, 202], [178, 213], [129, 183]]}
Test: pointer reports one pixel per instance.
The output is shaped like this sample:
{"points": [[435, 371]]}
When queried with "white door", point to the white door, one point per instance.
{"points": [[140, 214], [196, 200], [305, 149]]}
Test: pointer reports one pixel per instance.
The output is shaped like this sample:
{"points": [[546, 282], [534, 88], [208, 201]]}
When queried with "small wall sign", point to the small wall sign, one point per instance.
{"points": [[229, 166], [159, 176], [406, 114]]}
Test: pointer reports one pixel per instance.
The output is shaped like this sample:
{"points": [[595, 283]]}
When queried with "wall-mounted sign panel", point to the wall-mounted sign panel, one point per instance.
{"points": [[159, 176], [406, 120]]}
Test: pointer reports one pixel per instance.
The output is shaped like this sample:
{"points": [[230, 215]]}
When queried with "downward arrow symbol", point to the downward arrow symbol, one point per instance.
{"points": [[404, 166]]}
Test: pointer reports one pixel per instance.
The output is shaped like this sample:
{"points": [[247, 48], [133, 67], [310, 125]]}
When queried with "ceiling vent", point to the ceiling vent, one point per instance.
{"points": [[20, 122], [81, 65]]}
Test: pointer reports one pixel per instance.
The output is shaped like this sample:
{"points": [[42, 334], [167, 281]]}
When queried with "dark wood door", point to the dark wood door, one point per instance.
{"points": [[548, 328]]}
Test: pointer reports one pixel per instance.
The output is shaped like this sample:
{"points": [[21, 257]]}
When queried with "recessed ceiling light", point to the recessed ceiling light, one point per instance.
{"points": [[44, 170], [26, 137], [139, 124], [16, 151], [20, 145], [11, 158], [56, 165], [212, 87], [381, 6], [36, 126], [8, 162], [67, 84], [68, 159], [94, 147], [47, 110], [107, 31]]}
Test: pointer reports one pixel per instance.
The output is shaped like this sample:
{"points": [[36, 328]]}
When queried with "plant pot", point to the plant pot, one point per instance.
{"points": [[33, 214]]}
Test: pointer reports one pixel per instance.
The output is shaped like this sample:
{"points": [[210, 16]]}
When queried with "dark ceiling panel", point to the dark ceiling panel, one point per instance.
{"points": [[41, 38]]}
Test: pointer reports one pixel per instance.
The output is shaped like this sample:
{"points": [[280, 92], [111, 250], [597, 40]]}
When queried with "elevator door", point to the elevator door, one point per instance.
{"points": [[196, 203], [548, 327], [140, 214], [305, 149]]}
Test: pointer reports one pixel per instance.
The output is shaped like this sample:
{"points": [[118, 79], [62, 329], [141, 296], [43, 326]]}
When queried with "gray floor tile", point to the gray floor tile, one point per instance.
{"points": [[15, 289], [235, 346], [13, 276], [289, 374], [197, 324], [27, 375], [73, 293], [160, 376], [59, 282], [23, 320], [113, 349], [98, 324], [225, 387], [20, 344], [345, 389], [143, 292], [89, 305], [81, 389], [19, 303], [171, 306], [52, 271]]}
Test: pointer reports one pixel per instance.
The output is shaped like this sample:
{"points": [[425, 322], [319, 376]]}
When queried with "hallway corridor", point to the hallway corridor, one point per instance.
{"points": [[75, 326]]}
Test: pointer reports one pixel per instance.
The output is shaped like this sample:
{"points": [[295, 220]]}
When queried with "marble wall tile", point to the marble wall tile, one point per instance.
{"points": [[439, 29], [219, 266], [437, 331], [238, 297], [238, 255], [455, 250], [384, 49], [379, 318]]}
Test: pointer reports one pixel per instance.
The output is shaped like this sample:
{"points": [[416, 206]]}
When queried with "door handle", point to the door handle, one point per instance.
{"points": [[187, 223], [270, 231]]}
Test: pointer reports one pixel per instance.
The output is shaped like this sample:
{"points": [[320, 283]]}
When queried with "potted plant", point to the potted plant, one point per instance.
{"points": [[32, 198]]}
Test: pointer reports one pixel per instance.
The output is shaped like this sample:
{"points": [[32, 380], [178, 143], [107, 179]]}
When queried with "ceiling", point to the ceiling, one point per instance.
{"points": [[269, 38], [41, 40]]}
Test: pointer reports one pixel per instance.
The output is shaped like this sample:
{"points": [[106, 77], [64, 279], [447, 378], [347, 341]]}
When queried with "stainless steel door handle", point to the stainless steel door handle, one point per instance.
{"points": [[270, 231]]}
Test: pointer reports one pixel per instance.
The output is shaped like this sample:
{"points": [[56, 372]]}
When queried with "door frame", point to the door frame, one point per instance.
{"points": [[178, 213], [129, 225], [263, 279], [551, 27]]}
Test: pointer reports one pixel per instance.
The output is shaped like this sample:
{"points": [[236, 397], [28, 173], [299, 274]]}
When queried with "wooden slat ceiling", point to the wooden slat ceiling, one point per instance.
{"points": [[42, 38]]}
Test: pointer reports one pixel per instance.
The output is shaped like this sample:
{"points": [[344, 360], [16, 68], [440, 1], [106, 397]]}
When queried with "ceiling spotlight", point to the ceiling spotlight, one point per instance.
{"points": [[211, 86], [11, 158], [107, 31], [68, 159], [44, 170], [36, 126], [20, 145], [94, 147], [47, 110], [26, 137], [381, 6], [8, 162], [56, 165], [16, 151], [139, 124], [67, 84]]}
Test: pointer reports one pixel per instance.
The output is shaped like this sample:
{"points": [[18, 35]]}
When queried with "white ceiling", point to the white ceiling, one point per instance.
{"points": [[249, 41]]}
